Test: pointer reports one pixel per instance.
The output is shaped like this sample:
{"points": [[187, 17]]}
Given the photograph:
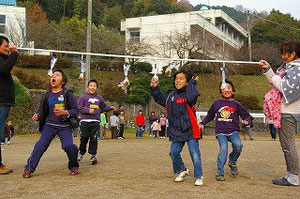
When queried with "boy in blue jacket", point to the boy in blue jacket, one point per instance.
{"points": [[90, 106], [227, 112], [56, 108], [183, 127]]}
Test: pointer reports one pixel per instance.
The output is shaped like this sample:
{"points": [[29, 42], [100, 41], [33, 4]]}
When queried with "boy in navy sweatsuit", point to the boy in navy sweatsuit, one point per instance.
{"points": [[56, 108], [183, 127], [90, 106]]}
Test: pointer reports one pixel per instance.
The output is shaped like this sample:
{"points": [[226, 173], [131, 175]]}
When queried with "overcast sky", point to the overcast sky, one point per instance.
{"points": [[284, 6]]}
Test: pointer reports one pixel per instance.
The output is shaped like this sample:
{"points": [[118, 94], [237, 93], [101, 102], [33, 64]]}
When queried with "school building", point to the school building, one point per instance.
{"points": [[13, 21], [217, 35]]}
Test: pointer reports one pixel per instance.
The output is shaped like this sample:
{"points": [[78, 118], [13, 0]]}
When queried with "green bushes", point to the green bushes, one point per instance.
{"points": [[43, 62]]}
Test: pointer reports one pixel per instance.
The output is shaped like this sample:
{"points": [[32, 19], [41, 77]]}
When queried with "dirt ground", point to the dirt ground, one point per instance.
{"points": [[142, 168]]}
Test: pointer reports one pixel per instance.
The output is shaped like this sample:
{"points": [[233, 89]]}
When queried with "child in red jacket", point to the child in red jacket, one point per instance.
{"points": [[140, 124]]}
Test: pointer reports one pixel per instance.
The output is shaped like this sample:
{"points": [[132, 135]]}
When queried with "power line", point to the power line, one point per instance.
{"points": [[276, 22]]}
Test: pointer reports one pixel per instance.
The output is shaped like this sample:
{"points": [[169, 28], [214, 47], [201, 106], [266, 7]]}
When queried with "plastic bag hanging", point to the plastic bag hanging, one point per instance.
{"points": [[155, 70], [53, 60], [168, 71], [125, 83], [223, 85], [83, 68]]}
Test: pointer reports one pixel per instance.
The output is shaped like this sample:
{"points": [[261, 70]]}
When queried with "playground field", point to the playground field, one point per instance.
{"points": [[141, 168]]}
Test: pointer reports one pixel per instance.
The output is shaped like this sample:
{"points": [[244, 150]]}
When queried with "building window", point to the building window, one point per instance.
{"points": [[2, 23], [135, 36]]}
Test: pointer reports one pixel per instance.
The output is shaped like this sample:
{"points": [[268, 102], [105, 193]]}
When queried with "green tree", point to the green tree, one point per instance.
{"points": [[265, 31], [139, 90], [112, 17]]}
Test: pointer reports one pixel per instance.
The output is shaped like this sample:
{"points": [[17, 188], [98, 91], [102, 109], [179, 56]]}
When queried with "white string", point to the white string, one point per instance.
{"points": [[138, 57]]}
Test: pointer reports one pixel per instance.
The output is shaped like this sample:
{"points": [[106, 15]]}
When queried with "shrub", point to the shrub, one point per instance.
{"points": [[21, 113], [29, 80], [113, 93], [250, 102], [141, 67]]}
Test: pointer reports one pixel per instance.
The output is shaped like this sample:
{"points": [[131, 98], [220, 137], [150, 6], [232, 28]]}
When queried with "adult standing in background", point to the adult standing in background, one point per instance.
{"points": [[8, 58]]}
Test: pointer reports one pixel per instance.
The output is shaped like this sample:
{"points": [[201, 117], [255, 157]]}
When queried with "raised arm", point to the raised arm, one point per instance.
{"points": [[192, 91], [7, 65]]}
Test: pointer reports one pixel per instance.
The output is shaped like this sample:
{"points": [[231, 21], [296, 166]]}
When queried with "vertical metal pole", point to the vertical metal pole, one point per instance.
{"points": [[88, 43], [249, 35]]}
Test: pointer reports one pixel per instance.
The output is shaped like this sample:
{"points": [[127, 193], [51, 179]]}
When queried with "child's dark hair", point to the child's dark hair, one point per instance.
{"points": [[64, 76], [228, 82], [3, 38], [94, 81], [290, 46], [188, 75], [115, 113], [140, 111]]}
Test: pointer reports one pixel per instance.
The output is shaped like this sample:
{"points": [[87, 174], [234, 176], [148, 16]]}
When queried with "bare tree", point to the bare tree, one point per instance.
{"points": [[16, 31], [138, 48]]}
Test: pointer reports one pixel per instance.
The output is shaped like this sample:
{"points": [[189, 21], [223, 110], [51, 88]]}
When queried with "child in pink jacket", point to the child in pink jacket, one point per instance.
{"points": [[155, 128]]}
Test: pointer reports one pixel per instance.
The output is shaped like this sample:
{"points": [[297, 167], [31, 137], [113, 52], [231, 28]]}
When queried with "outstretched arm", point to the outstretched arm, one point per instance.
{"points": [[159, 97]]}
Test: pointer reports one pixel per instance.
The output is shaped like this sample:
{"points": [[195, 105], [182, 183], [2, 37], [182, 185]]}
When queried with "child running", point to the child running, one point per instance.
{"points": [[182, 127], [227, 112], [155, 127], [9, 131], [57, 106], [90, 106]]}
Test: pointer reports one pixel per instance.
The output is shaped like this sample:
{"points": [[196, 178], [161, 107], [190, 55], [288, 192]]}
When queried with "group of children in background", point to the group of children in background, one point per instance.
{"points": [[158, 126]]}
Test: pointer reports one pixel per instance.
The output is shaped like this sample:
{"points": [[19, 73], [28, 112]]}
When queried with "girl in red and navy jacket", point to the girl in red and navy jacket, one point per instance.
{"points": [[140, 124], [183, 127]]}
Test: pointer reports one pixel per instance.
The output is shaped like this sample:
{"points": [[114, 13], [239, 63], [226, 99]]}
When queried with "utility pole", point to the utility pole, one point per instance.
{"points": [[88, 43], [249, 34]]}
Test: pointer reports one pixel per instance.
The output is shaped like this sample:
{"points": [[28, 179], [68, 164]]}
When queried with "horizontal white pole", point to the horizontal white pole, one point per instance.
{"points": [[138, 57]]}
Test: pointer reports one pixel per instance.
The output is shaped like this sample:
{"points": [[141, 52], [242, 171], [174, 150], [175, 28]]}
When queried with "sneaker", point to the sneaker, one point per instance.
{"points": [[180, 176], [220, 177], [94, 160], [8, 143], [5, 170], [2, 143], [199, 181], [233, 169], [282, 182], [80, 157], [26, 174], [74, 172]]}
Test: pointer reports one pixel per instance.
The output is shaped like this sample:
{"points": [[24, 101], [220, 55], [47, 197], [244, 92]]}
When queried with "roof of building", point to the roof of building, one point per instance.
{"points": [[8, 2]]}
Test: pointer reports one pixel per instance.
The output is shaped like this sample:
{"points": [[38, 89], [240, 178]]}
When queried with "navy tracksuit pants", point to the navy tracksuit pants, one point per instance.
{"points": [[48, 134]]}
